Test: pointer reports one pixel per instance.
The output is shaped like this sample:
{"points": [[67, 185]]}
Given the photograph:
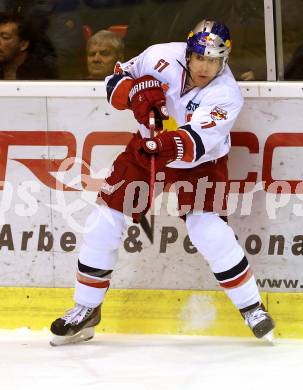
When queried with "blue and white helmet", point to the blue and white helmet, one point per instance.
{"points": [[209, 38]]}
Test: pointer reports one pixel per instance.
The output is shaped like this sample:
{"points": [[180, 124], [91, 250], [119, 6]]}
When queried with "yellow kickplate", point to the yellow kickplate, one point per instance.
{"points": [[151, 311]]}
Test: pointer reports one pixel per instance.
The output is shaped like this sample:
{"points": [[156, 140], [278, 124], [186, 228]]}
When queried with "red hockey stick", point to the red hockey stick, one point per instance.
{"points": [[152, 126]]}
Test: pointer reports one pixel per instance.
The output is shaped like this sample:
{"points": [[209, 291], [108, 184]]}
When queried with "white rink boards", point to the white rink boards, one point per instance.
{"points": [[43, 209]]}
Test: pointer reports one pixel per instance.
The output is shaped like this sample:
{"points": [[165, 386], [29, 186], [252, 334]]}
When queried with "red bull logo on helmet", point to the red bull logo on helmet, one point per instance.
{"points": [[206, 40]]}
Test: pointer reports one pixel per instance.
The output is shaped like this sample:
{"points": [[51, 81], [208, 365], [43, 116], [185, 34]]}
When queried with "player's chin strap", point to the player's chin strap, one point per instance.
{"points": [[184, 89], [185, 68]]}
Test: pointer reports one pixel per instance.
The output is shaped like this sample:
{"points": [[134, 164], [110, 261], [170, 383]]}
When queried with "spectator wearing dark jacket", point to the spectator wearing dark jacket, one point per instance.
{"points": [[22, 55]]}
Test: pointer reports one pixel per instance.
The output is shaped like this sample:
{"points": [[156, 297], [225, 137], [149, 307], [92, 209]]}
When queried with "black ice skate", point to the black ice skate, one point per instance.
{"points": [[78, 324], [259, 321]]}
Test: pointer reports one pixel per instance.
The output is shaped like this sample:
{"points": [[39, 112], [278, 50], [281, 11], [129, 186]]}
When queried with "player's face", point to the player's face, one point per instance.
{"points": [[10, 44], [101, 59], [203, 69]]}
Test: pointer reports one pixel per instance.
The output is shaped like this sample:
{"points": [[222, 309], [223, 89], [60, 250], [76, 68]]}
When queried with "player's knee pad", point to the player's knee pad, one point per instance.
{"points": [[215, 240], [102, 237]]}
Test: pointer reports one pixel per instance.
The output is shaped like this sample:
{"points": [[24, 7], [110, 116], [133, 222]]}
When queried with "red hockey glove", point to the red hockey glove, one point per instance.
{"points": [[146, 95], [166, 147]]}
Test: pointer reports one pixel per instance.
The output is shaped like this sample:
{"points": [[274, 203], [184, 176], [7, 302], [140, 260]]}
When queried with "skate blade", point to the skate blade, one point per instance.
{"points": [[84, 335], [269, 338]]}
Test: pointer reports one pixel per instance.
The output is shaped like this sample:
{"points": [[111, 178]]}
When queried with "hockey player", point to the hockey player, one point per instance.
{"points": [[204, 99]]}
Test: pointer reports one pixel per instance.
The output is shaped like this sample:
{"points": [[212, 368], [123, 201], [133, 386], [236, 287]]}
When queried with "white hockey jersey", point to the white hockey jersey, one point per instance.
{"points": [[206, 114]]}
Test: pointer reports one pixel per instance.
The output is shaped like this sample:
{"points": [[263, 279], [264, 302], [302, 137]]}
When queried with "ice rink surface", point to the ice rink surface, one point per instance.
{"points": [[124, 362]]}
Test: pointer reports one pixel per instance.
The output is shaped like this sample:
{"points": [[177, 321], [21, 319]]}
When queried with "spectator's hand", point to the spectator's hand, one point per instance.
{"points": [[146, 95], [247, 76], [163, 147]]}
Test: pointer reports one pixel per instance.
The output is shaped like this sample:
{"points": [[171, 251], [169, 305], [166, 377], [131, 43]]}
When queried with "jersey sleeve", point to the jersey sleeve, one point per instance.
{"points": [[208, 131]]}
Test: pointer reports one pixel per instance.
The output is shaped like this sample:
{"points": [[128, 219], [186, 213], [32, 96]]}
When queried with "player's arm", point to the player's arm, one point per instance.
{"points": [[128, 89], [209, 127]]}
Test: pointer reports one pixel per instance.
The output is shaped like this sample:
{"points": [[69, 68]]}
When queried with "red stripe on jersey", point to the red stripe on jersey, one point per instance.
{"points": [[119, 97], [189, 146], [238, 281], [92, 282], [208, 125]]}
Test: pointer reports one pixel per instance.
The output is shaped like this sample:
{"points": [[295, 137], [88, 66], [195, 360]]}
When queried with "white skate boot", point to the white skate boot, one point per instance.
{"points": [[78, 324]]}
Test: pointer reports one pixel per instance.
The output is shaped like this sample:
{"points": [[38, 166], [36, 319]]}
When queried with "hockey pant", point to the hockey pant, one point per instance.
{"points": [[212, 236]]}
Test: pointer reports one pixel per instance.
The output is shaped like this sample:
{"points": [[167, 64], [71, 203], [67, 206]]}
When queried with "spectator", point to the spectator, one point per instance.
{"points": [[61, 21], [23, 56], [103, 50]]}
